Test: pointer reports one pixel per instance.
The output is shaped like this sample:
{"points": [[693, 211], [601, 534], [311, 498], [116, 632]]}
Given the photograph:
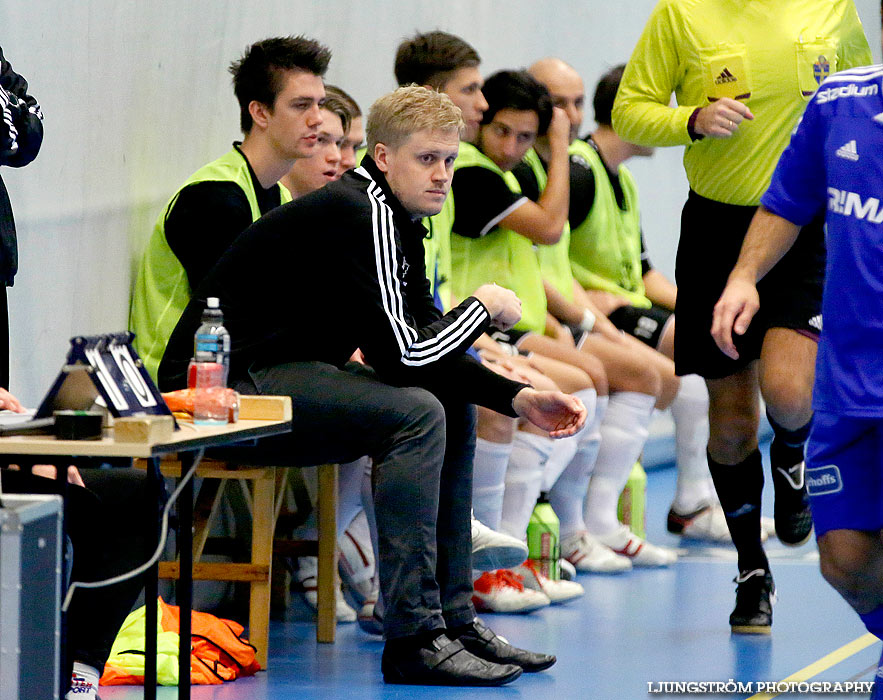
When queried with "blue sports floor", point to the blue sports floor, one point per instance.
{"points": [[644, 627]]}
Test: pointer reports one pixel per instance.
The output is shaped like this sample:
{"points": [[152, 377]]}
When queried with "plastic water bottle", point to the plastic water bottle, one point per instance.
{"points": [[210, 366], [543, 538], [633, 500]]}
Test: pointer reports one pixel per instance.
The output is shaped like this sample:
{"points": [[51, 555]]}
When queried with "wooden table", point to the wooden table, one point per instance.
{"points": [[189, 442]]}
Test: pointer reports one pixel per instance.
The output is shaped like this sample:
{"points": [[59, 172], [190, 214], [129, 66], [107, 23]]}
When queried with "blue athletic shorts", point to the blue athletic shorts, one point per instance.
{"points": [[844, 472]]}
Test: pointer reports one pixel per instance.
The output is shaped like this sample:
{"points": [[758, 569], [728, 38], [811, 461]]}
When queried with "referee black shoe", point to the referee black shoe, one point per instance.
{"points": [[755, 595], [481, 641], [791, 511]]}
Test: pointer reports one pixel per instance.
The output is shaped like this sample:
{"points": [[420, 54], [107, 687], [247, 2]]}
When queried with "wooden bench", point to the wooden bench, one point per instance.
{"points": [[265, 502]]}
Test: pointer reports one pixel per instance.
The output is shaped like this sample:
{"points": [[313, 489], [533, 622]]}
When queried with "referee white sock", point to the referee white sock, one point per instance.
{"points": [[489, 480], [624, 430], [524, 478], [690, 412], [568, 494]]}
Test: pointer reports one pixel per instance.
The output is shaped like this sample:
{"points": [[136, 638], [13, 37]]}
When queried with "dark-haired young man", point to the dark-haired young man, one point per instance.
{"points": [[278, 83], [502, 236], [447, 63]]}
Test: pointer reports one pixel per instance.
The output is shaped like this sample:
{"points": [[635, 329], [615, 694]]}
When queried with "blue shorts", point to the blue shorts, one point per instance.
{"points": [[844, 472]]}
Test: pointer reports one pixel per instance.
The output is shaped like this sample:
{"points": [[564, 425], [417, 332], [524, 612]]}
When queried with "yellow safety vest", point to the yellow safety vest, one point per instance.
{"points": [[554, 259], [501, 256], [605, 249], [162, 289]]}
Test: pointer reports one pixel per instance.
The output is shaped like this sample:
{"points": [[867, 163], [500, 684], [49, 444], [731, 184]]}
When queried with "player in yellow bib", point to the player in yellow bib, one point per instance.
{"points": [[496, 230], [278, 83]]}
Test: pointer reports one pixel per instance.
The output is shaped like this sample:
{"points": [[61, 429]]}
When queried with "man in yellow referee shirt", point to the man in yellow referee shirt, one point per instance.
{"points": [[740, 93]]}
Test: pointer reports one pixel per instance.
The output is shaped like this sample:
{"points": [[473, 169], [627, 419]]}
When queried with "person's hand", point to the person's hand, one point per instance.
{"points": [[733, 313], [721, 119], [559, 130], [9, 403], [562, 415], [606, 302], [502, 304], [358, 356]]}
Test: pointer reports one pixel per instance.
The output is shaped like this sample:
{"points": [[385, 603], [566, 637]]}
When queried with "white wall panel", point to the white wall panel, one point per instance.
{"points": [[137, 96]]}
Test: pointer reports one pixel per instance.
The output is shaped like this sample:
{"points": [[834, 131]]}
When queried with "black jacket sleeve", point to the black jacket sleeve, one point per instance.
{"points": [[21, 125], [403, 337], [21, 134]]}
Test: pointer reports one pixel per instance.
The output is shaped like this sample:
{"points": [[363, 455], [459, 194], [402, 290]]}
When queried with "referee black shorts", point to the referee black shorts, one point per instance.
{"points": [[790, 294]]}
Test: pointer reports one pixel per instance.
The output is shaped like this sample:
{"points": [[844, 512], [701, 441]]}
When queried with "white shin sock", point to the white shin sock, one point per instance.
{"points": [[489, 480], [624, 430], [690, 413], [524, 479], [568, 494]]}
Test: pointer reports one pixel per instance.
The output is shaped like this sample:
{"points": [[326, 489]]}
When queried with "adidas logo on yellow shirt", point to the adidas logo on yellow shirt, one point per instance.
{"points": [[725, 77]]}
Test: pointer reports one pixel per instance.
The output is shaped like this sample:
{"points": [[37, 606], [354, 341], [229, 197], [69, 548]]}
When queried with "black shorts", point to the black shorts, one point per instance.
{"points": [[790, 294], [512, 338], [647, 325]]}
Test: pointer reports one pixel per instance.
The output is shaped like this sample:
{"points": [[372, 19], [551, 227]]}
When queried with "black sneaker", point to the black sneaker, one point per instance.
{"points": [[755, 595], [791, 511]]}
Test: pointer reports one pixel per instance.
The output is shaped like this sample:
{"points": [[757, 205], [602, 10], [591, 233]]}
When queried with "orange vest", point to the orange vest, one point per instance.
{"points": [[218, 651]]}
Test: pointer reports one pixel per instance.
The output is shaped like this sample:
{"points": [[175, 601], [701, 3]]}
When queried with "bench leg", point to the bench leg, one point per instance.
{"points": [[261, 553], [208, 501], [327, 575]]}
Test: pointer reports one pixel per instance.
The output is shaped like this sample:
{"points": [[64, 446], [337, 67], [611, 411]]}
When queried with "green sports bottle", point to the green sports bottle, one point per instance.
{"points": [[543, 538]]}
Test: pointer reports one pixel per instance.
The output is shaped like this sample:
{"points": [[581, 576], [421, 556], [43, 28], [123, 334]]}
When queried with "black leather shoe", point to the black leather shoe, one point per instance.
{"points": [[755, 595], [442, 662], [481, 641]]}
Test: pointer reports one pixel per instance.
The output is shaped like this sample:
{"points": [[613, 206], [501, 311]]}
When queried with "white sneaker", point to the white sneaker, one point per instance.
{"points": [[587, 554], [307, 573], [559, 591], [368, 620], [504, 592], [356, 561], [709, 524], [493, 550], [568, 570], [642, 553]]}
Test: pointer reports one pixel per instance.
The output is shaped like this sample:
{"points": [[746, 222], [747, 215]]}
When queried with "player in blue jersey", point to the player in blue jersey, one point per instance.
{"points": [[834, 163]]}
